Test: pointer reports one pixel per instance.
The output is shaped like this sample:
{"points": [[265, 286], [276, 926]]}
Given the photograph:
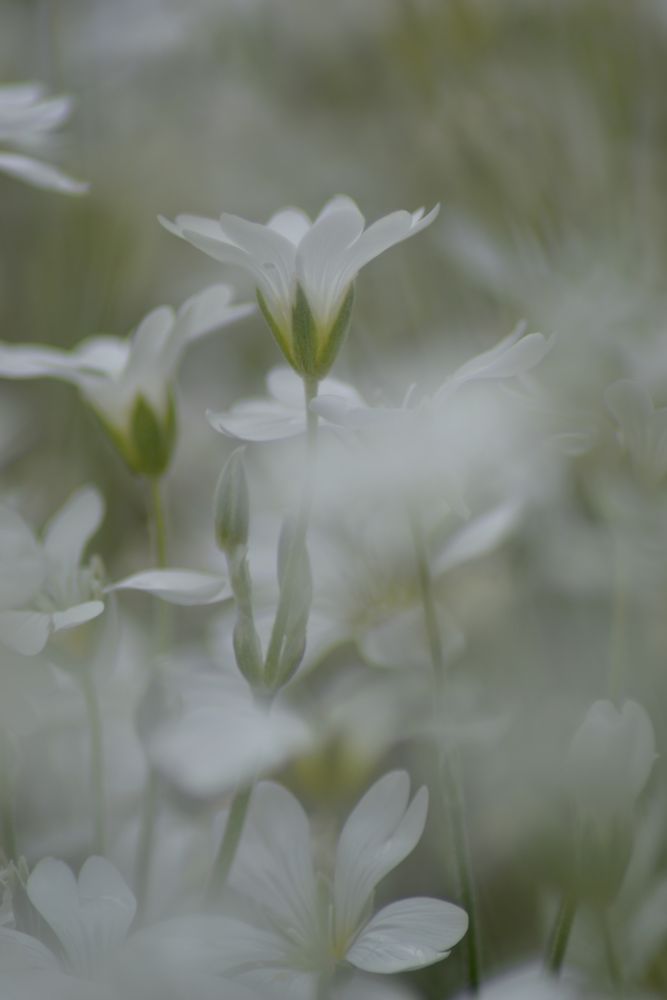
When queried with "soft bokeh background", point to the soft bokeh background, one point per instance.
{"points": [[541, 128]]}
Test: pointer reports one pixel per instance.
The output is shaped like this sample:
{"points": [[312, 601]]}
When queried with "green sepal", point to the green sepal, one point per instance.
{"points": [[232, 505], [152, 439], [279, 336], [248, 650], [334, 339], [304, 335]]}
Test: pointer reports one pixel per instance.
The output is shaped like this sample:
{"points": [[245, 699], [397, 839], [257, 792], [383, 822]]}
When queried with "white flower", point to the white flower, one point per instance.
{"points": [[283, 414], [221, 737], [43, 587], [611, 758], [128, 381], [90, 917], [26, 119], [303, 271], [297, 924], [528, 983], [642, 427]]}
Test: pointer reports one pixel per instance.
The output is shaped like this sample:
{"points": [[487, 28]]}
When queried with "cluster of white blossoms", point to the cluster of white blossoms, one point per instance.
{"points": [[387, 512]]}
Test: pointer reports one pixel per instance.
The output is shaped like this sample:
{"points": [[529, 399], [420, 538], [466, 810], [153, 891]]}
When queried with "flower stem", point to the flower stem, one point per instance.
{"points": [[7, 829], [449, 766], [159, 524], [229, 843], [611, 957], [278, 632], [323, 989], [96, 760], [560, 934], [142, 862]]}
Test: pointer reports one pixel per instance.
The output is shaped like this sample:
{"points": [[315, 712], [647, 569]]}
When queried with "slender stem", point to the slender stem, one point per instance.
{"points": [[142, 861], [159, 524], [272, 660], [323, 989], [96, 760], [449, 766], [149, 815], [229, 843], [611, 957], [7, 829], [560, 934], [618, 629]]}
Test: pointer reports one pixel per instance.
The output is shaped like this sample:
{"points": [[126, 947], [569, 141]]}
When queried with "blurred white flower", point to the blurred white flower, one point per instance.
{"points": [[296, 925], [219, 737], [128, 381], [283, 414], [43, 586], [184, 587], [89, 916], [642, 427], [304, 271], [26, 119], [528, 983], [610, 759]]}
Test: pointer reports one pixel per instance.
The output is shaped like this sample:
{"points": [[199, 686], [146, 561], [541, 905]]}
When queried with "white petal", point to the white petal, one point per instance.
{"points": [[90, 917], [40, 174], [321, 256], [26, 632], [379, 833], [178, 586], [286, 387], [407, 935], [22, 563], [214, 748], [480, 535], [382, 235], [34, 361], [21, 953], [513, 356], [78, 614], [258, 420], [274, 865], [69, 530], [291, 223]]}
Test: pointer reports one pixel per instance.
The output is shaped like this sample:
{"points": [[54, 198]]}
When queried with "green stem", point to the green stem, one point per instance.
{"points": [[159, 524], [7, 829], [611, 957], [229, 843], [449, 768], [323, 989], [142, 862], [274, 651], [560, 934], [96, 760], [617, 634]]}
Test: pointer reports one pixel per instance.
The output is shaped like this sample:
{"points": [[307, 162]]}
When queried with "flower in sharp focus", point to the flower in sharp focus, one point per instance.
{"points": [[128, 382], [296, 924], [27, 118], [303, 271], [43, 586]]}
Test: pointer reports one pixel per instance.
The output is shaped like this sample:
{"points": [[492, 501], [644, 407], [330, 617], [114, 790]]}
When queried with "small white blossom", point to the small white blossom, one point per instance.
{"points": [[298, 925], [303, 271], [128, 381], [283, 414], [43, 586], [27, 117]]}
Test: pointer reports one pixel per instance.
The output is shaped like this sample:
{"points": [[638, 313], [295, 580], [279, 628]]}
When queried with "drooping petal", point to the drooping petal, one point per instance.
{"points": [[380, 832], [40, 175], [178, 586], [70, 529], [258, 420], [409, 934]]}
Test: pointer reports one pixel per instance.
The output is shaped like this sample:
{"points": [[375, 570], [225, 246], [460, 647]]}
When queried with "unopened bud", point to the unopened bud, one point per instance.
{"points": [[231, 505]]}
